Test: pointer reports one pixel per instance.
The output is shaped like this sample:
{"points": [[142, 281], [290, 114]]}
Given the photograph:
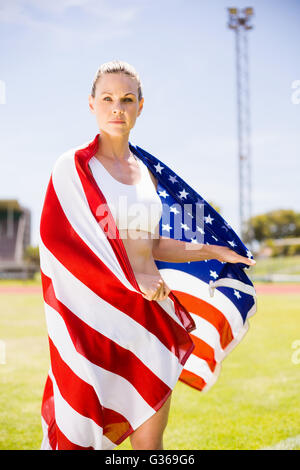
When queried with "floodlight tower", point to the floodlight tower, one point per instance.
{"points": [[239, 21]]}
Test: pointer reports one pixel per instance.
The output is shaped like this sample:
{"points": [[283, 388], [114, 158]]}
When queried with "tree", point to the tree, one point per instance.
{"points": [[32, 255], [281, 223]]}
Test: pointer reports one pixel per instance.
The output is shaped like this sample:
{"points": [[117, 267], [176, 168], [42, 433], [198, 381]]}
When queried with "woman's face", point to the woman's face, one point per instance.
{"points": [[116, 98]]}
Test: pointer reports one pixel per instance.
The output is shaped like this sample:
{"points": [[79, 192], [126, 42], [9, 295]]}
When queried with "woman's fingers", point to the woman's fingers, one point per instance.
{"points": [[152, 287], [243, 259], [160, 290], [164, 292], [230, 256]]}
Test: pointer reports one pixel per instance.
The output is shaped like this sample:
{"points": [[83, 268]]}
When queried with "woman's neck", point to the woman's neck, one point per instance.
{"points": [[115, 148]]}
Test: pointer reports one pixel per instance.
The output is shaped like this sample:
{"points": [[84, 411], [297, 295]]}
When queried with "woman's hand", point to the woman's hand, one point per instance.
{"points": [[223, 253], [152, 286]]}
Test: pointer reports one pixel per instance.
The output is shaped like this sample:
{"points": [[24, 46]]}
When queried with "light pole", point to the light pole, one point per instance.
{"points": [[239, 21]]}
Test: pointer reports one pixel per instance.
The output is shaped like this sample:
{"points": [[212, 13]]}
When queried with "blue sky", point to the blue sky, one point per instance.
{"points": [[182, 49]]}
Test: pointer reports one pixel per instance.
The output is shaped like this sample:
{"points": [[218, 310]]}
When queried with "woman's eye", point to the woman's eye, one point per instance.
{"points": [[110, 98]]}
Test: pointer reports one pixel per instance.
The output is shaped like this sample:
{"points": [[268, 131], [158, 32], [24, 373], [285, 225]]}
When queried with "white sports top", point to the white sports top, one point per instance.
{"points": [[133, 206]]}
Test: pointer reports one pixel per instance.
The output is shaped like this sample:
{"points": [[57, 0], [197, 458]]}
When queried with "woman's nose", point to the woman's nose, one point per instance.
{"points": [[118, 108]]}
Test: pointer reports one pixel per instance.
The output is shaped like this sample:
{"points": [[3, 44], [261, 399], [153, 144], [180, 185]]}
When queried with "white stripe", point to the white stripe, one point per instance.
{"points": [[77, 428], [184, 282], [45, 442], [70, 193], [113, 391], [232, 283], [291, 443], [199, 367], [209, 334], [110, 321]]}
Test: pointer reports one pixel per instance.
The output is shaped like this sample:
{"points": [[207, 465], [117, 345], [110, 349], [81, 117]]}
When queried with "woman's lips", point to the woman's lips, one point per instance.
{"points": [[117, 122]]}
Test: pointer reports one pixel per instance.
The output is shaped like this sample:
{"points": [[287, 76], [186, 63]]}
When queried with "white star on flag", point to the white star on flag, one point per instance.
{"points": [[208, 219], [232, 243], [163, 193], [213, 274], [194, 240], [215, 238], [199, 229], [173, 179], [237, 294], [183, 193], [184, 226], [158, 168], [166, 227], [174, 209]]}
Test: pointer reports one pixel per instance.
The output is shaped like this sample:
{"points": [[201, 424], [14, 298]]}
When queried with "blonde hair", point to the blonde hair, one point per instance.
{"points": [[117, 66]]}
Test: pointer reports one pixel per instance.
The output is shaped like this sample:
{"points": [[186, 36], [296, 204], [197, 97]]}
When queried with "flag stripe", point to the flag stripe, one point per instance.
{"points": [[81, 261], [72, 388], [78, 429], [194, 380], [209, 313], [100, 378], [204, 351], [48, 413], [183, 282], [129, 333], [100, 350], [65, 444]]}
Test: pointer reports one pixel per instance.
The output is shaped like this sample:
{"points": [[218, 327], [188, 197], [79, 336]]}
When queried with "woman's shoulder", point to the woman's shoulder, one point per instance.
{"points": [[66, 159]]}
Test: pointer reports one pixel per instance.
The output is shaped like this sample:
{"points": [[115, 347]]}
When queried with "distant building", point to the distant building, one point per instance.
{"points": [[15, 226]]}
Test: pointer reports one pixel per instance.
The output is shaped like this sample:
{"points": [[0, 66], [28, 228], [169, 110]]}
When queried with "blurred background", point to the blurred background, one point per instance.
{"points": [[221, 84]]}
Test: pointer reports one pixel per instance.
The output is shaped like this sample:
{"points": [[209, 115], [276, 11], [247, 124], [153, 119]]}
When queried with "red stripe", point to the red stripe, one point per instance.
{"points": [[65, 244], [204, 351], [48, 412], [65, 444], [210, 313], [192, 379], [73, 389], [105, 353]]}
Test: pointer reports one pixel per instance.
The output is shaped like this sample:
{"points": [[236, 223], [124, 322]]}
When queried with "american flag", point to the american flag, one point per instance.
{"points": [[115, 357]]}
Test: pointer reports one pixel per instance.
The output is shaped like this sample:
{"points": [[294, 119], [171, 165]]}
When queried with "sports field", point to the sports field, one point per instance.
{"points": [[254, 404]]}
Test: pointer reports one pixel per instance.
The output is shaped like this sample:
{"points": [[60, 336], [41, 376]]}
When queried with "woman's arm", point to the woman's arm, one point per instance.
{"points": [[177, 251]]}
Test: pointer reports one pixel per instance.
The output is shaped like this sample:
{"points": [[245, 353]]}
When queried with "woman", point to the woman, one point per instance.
{"points": [[116, 100]]}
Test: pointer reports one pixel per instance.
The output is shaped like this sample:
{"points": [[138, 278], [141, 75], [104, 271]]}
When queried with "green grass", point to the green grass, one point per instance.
{"points": [[278, 265], [254, 404]]}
